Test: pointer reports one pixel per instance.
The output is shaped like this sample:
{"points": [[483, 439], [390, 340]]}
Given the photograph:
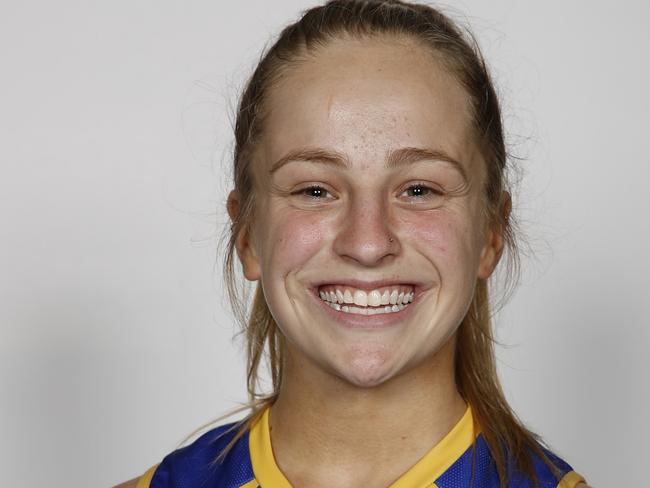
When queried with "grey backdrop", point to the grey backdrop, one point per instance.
{"points": [[115, 341]]}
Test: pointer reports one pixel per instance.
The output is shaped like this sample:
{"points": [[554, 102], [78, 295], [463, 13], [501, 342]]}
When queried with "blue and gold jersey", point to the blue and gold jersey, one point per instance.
{"points": [[250, 463]]}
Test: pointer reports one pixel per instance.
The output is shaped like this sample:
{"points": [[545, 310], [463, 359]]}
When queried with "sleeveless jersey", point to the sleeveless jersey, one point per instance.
{"points": [[250, 463]]}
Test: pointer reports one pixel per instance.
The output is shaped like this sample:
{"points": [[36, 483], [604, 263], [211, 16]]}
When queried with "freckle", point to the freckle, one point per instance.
{"points": [[403, 437]]}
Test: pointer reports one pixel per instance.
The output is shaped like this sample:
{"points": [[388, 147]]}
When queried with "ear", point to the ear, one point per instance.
{"points": [[494, 241], [243, 241]]}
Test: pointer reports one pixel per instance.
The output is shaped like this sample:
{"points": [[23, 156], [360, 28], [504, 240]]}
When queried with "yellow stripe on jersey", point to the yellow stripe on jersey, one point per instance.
{"points": [[265, 469], [442, 456], [145, 479], [250, 484], [570, 480], [421, 475]]}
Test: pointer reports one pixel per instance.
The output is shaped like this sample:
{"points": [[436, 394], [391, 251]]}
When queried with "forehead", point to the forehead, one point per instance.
{"points": [[366, 97]]}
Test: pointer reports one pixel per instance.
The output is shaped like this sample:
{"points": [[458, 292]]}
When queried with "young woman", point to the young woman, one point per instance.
{"points": [[370, 206]]}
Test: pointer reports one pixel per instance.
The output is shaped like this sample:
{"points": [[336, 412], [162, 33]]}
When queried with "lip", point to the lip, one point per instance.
{"points": [[370, 285], [378, 321]]}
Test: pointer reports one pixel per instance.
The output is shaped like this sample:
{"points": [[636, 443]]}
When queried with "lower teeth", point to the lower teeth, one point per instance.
{"points": [[368, 310]]}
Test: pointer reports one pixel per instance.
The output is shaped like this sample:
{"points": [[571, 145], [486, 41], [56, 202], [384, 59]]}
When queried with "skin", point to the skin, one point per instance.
{"points": [[363, 99], [394, 388]]}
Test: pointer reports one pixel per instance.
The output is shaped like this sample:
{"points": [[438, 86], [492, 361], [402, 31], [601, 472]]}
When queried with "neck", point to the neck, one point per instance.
{"points": [[319, 420]]}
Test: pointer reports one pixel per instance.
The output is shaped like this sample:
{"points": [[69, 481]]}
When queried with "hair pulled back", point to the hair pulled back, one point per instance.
{"points": [[509, 441]]}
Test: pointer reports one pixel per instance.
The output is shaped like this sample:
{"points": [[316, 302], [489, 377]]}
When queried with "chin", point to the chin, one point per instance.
{"points": [[368, 370], [364, 380]]}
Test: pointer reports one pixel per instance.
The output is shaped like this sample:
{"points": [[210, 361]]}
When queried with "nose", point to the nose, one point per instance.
{"points": [[365, 235]]}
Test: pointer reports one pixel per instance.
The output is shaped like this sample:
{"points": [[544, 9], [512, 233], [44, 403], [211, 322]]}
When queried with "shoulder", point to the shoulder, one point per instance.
{"points": [[201, 463], [552, 472], [568, 478], [208, 446], [478, 462]]}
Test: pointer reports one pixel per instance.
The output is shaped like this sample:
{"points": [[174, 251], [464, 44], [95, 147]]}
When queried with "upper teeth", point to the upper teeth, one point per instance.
{"points": [[371, 298]]}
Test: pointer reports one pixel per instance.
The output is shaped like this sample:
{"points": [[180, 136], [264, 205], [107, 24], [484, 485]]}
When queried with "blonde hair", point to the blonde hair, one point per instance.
{"points": [[475, 370]]}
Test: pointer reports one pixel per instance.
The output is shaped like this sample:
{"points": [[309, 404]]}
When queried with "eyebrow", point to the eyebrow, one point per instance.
{"points": [[396, 159]]}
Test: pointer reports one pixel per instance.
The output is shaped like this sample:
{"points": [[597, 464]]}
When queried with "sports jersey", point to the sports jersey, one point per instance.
{"points": [[250, 463]]}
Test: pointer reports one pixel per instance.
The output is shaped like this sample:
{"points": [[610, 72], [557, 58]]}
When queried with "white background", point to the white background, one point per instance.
{"points": [[115, 341]]}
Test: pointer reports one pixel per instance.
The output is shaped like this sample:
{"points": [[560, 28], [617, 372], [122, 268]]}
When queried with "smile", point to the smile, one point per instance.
{"points": [[385, 300]]}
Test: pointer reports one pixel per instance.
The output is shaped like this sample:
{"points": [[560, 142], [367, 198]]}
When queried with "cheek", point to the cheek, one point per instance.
{"points": [[444, 236], [292, 238]]}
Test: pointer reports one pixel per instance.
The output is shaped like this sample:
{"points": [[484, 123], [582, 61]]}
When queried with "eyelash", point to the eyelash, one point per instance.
{"points": [[311, 188], [433, 191]]}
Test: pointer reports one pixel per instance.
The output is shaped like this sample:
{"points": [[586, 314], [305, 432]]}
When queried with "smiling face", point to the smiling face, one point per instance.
{"points": [[370, 184]]}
